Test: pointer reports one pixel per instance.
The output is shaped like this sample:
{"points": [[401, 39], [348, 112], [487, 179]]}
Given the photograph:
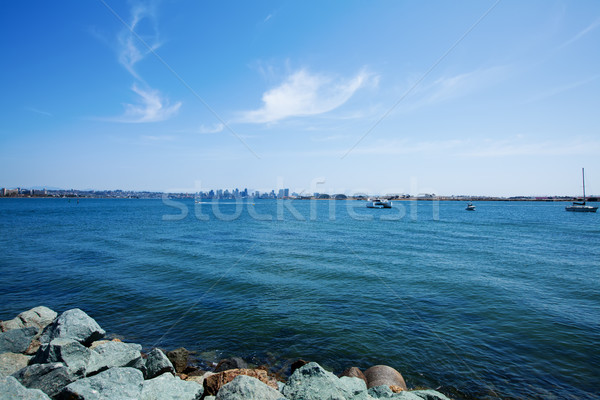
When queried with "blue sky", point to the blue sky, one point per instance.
{"points": [[468, 97]]}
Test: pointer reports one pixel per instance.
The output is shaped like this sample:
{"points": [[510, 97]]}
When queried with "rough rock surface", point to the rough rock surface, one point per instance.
{"points": [[354, 372], [297, 364], [115, 354], [429, 395], [179, 358], [49, 378], [112, 384], [38, 317], [231, 363], [73, 324], [244, 387], [11, 389], [67, 351], [312, 382], [157, 363], [213, 383], [17, 340], [379, 375], [11, 363], [167, 386]]}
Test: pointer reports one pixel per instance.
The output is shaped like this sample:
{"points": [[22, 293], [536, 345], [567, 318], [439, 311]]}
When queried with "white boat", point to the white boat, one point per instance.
{"points": [[470, 207], [378, 203], [581, 206]]}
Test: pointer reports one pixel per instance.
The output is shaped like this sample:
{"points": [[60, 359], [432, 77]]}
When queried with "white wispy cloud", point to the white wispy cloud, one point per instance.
{"points": [[581, 34], [133, 46], [131, 50], [510, 148], [215, 128], [465, 148], [451, 87], [151, 108], [561, 89], [157, 138], [38, 111], [303, 94]]}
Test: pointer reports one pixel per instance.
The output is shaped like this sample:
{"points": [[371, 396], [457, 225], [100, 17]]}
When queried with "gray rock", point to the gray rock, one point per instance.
{"points": [[68, 351], [312, 382], [429, 395], [179, 358], [38, 317], [50, 378], [17, 340], [73, 324], [247, 388], [11, 363], [210, 398], [11, 389], [231, 363], [167, 386], [112, 384], [381, 392], [115, 354], [404, 395], [380, 375], [353, 388], [157, 363]]}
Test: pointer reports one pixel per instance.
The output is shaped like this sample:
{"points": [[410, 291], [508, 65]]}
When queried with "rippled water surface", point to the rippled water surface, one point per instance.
{"points": [[503, 302]]}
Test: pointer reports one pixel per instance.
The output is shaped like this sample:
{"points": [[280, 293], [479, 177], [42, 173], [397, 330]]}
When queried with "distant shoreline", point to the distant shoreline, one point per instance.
{"points": [[180, 196]]}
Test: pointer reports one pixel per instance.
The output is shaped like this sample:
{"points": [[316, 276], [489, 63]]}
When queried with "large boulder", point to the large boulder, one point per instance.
{"points": [[38, 317], [11, 389], [231, 363], [244, 387], [112, 384], [354, 372], [157, 363], [115, 354], [179, 358], [73, 324], [167, 386], [213, 383], [379, 375], [67, 351], [17, 340], [11, 363], [50, 378], [312, 382]]}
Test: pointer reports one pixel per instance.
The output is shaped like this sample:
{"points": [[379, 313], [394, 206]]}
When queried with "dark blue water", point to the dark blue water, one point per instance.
{"points": [[503, 302]]}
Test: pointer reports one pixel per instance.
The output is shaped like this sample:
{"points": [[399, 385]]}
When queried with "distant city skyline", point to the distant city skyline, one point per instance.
{"points": [[490, 98]]}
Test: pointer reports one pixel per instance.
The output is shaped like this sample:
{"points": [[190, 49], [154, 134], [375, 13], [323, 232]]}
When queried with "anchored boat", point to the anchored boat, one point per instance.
{"points": [[379, 203], [581, 206]]}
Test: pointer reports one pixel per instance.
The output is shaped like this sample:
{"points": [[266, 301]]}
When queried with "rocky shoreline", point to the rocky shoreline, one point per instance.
{"points": [[44, 355]]}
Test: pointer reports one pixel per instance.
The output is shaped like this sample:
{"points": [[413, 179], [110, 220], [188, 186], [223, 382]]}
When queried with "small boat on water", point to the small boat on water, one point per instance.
{"points": [[581, 206], [470, 207], [379, 203]]}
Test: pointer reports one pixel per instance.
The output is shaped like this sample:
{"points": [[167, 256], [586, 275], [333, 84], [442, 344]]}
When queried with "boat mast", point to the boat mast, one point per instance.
{"points": [[583, 177]]}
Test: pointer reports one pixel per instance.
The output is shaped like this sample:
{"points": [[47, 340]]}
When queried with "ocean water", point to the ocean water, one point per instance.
{"points": [[503, 302]]}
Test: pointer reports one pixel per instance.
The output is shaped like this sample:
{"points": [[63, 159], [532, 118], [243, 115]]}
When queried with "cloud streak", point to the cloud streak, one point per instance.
{"points": [[304, 94], [151, 108], [215, 128], [581, 34], [134, 46]]}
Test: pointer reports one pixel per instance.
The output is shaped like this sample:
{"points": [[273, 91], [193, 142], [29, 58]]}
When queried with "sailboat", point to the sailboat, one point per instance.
{"points": [[581, 206]]}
